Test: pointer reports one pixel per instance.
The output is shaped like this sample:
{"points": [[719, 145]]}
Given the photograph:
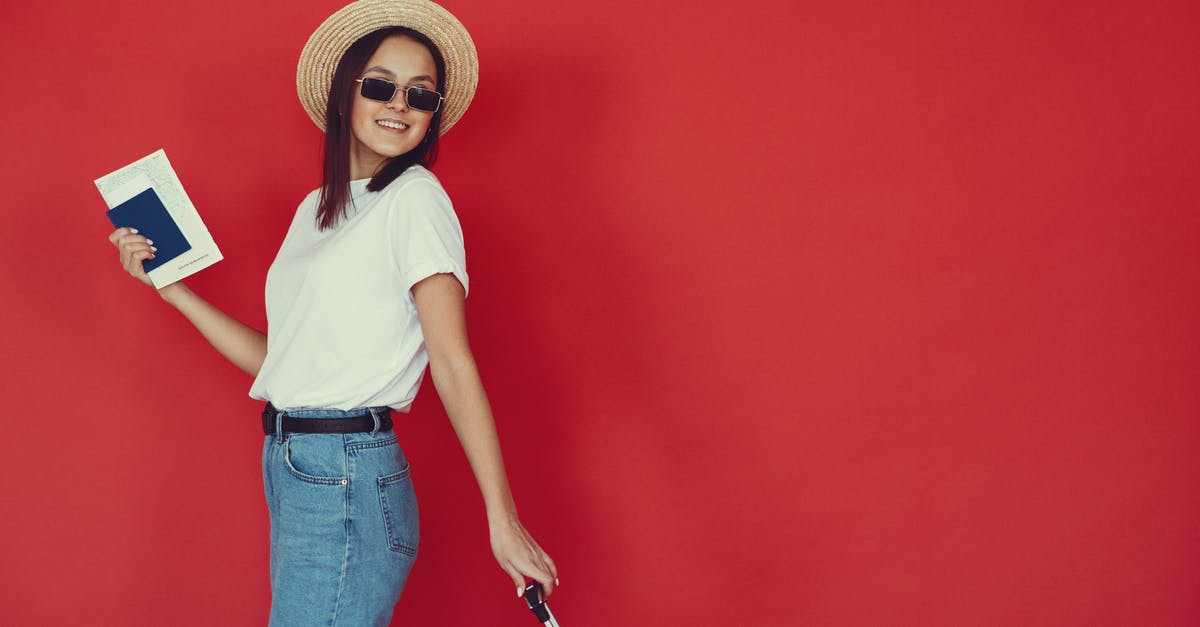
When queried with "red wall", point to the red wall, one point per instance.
{"points": [[825, 313]]}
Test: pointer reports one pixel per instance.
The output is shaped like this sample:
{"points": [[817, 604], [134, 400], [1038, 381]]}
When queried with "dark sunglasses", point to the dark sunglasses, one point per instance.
{"points": [[384, 90]]}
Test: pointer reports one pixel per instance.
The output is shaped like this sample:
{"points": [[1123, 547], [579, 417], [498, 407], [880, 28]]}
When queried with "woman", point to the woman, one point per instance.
{"points": [[367, 288]]}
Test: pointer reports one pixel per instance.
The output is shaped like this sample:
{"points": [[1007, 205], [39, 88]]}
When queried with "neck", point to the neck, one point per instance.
{"points": [[362, 167]]}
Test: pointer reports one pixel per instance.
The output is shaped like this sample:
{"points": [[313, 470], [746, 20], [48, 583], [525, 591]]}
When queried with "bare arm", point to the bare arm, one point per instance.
{"points": [[244, 346], [440, 306]]}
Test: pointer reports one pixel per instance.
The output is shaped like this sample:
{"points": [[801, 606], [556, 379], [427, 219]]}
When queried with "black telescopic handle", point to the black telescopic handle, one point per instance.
{"points": [[537, 604]]}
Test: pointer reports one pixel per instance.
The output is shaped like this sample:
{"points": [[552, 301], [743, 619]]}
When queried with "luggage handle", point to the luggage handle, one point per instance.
{"points": [[536, 601]]}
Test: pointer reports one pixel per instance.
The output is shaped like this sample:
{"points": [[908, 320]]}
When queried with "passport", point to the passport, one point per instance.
{"points": [[147, 195], [146, 213]]}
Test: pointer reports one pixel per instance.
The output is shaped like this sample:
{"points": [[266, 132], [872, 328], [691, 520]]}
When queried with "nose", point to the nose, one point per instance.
{"points": [[399, 101]]}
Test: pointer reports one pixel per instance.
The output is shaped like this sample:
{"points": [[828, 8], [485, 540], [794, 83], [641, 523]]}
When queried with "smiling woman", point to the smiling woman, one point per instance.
{"points": [[379, 233], [383, 137]]}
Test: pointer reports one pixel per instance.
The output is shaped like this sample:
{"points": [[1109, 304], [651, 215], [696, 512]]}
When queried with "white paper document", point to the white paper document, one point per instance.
{"points": [[155, 172]]}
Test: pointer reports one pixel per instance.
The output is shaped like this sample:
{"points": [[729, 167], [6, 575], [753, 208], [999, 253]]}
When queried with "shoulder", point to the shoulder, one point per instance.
{"points": [[415, 177], [310, 199], [307, 209], [417, 188]]}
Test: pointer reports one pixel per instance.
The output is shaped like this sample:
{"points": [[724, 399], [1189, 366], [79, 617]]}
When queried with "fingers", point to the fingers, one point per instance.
{"points": [[534, 565], [128, 241], [543, 575], [120, 232], [116, 235], [133, 261], [133, 249], [517, 578], [521, 557], [133, 253]]}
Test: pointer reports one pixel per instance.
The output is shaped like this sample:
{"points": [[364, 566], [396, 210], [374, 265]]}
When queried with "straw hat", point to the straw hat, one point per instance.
{"points": [[334, 36]]}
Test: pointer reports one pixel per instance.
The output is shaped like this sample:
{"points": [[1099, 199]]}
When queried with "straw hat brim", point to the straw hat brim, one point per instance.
{"points": [[334, 36]]}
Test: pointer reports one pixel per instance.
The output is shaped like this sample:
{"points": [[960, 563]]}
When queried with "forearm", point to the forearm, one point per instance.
{"points": [[244, 346], [439, 301], [461, 390]]}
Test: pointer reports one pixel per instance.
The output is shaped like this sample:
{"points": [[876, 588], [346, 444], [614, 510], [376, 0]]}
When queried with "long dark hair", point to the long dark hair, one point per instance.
{"points": [[335, 179]]}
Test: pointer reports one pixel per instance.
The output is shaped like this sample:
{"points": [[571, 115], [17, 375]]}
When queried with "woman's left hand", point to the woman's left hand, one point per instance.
{"points": [[520, 556]]}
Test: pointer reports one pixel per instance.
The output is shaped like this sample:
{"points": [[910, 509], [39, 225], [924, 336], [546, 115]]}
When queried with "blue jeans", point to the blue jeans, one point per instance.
{"points": [[344, 529]]}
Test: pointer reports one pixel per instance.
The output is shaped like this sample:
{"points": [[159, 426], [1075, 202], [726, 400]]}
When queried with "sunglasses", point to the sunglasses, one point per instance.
{"points": [[384, 90]]}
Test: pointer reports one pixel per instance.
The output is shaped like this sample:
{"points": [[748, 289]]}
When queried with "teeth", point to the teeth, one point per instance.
{"points": [[391, 124]]}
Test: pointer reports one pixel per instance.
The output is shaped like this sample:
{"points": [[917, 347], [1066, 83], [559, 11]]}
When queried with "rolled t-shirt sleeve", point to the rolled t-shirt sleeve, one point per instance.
{"points": [[425, 234]]}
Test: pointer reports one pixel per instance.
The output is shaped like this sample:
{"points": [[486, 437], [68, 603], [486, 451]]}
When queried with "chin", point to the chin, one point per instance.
{"points": [[393, 152]]}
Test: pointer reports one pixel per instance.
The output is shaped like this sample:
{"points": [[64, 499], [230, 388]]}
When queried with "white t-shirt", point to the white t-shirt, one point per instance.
{"points": [[342, 326]]}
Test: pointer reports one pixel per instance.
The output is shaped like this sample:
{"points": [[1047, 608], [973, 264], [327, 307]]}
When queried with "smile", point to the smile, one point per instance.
{"points": [[391, 124]]}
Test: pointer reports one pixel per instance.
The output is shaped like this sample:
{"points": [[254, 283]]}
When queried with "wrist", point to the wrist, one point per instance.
{"points": [[173, 292], [502, 515]]}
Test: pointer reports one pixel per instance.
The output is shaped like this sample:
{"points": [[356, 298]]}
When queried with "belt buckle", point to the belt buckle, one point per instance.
{"points": [[268, 419]]}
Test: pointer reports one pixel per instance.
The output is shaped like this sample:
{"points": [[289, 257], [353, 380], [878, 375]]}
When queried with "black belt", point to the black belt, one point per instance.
{"points": [[363, 423]]}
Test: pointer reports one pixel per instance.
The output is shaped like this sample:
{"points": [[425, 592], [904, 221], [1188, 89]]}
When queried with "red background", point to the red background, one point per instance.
{"points": [[828, 313]]}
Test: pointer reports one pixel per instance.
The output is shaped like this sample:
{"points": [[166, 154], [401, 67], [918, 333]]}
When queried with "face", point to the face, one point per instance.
{"points": [[382, 130]]}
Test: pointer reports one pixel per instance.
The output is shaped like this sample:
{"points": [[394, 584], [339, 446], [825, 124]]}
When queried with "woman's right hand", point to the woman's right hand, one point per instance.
{"points": [[134, 249]]}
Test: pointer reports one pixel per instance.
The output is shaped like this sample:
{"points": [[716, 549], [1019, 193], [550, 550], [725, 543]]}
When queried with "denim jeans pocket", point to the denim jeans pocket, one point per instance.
{"points": [[398, 500], [315, 458]]}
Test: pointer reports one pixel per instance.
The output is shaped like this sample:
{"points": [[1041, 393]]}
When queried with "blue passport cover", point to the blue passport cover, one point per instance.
{"points": [[146, 213]]}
